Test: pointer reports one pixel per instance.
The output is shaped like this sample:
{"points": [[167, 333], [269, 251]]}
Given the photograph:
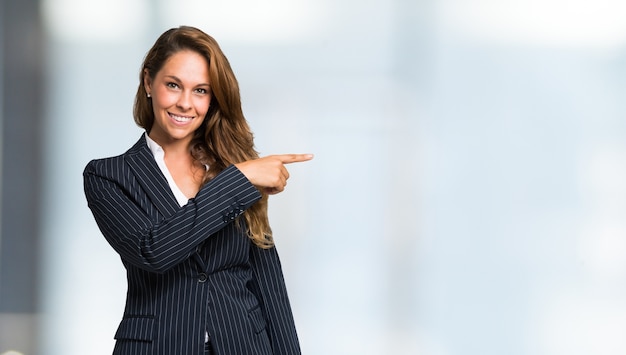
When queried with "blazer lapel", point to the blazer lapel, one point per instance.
{"points": [[141, 161]]}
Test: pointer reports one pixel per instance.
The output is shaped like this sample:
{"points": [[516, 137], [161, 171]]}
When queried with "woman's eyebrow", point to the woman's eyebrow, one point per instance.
{"points": [[175, 78]]}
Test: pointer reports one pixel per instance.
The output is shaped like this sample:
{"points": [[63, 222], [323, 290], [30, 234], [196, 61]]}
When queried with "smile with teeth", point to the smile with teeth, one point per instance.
{"points": [[181, 119]]}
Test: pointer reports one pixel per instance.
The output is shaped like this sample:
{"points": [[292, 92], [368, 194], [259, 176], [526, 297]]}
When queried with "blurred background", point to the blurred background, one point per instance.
{"points": [[467, 196]]}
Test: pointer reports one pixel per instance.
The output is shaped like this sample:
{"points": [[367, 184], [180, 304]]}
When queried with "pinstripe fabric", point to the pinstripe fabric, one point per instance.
{"points": [[190, 269]]}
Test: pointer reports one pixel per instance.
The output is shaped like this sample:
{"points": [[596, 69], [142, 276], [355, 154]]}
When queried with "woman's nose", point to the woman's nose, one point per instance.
{"points": [[184, 100]]}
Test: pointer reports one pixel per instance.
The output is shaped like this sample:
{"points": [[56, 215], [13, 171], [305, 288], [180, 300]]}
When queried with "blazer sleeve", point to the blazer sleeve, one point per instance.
{"points": [[159, 245], [272, 294]]}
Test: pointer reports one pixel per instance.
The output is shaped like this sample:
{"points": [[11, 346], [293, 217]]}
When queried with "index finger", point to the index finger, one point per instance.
{"points": [[293, 158]]}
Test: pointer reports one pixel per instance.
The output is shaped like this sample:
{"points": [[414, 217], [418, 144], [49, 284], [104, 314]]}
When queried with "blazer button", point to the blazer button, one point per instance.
{"points": [[202, 277]]}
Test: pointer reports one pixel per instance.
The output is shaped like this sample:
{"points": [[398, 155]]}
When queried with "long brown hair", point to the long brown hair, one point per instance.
{"points": [[224, 138]]}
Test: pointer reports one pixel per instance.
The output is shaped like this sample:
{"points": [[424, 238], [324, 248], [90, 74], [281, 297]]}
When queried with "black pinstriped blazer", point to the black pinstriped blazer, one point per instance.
{"points": [[190, 269]]}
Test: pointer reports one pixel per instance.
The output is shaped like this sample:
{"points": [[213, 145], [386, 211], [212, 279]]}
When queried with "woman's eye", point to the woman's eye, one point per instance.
{"points": [[201, 91], [172, 85]]}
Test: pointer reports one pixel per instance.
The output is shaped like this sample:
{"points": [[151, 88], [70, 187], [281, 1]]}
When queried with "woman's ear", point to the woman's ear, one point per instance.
{"points": [[147, 82]]}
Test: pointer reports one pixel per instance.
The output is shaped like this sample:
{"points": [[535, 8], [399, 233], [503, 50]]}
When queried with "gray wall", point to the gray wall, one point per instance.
{"points": [[22, 104]]}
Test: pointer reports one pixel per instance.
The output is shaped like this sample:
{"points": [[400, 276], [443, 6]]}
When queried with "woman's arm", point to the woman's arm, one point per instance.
{"points": [[158, 246]]}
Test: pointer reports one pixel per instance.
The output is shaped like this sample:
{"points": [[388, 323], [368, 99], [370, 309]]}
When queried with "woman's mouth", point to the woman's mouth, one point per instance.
{"points": [[181, 119]]}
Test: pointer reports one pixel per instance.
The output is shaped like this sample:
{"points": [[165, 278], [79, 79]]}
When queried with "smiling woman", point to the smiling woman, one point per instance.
{"points": [[186, 209]]}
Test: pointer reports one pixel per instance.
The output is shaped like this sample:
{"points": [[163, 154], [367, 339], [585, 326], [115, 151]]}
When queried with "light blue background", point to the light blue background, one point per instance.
{"points": [[469, 187]]}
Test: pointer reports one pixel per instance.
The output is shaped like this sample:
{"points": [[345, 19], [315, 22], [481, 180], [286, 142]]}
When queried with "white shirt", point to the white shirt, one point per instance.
{"points": [[159, 156]]}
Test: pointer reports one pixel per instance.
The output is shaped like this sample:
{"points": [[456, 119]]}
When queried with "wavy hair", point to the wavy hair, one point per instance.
{"points": [[224, 137]]}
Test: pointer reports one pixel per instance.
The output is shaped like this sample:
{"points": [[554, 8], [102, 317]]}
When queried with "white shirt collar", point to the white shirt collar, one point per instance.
{"points": [[159, 157], [155, 148]]}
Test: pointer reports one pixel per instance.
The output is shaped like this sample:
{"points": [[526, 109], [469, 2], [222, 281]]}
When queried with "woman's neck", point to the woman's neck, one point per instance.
{"points": [[173, 147], [186, 172]]}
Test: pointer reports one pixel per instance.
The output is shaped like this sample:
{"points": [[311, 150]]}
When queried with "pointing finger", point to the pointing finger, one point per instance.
{"points": [[293, 158]]}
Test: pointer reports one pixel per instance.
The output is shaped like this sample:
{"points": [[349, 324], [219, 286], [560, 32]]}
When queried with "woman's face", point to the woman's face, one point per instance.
{"points": [[181, 95]]}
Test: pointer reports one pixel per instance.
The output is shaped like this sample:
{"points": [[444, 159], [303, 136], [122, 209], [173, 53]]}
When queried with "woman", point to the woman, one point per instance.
{"points": [[186, 209]]}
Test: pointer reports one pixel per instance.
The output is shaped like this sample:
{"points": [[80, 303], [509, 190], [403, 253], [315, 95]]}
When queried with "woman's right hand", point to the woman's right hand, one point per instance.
{"points": [[269, 173]]}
